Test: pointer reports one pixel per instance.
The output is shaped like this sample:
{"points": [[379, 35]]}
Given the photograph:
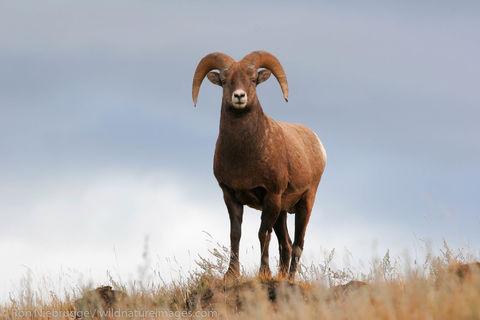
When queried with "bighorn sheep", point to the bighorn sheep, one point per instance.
{"points": [[267, 165]]}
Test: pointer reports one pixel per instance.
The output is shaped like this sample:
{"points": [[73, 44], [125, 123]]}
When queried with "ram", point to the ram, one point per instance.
{"points": [[271, 166]]}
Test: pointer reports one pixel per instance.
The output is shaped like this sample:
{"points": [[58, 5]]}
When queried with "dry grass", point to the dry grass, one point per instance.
{"points": [[443, 287]]}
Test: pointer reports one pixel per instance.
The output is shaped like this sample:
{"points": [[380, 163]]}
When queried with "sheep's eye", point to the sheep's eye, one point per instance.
{"points": [[223, 81], [254, 80]]}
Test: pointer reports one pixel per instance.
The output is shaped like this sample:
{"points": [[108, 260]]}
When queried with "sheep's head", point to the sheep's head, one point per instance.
{"points": [[239, 79]]}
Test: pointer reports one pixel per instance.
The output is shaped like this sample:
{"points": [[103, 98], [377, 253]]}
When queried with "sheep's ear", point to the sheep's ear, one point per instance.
{"points": [[263, 75], [214, 78]]}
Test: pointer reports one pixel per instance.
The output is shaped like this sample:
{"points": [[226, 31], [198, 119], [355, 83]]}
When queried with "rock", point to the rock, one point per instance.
{"points": [[102, 298], [343, 289], [465, 270]]}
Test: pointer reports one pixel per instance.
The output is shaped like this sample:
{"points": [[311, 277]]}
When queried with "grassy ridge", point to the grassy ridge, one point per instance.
{"points": [[442, 288]]}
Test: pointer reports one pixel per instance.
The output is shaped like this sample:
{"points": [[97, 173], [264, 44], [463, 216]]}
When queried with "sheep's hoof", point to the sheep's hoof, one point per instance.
{"points": [[283, 275], [264, 273], [231, 274]]}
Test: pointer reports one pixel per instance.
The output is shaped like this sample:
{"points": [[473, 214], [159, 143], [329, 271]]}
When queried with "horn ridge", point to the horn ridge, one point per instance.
{"points": [[214, 60], [263, 59]]}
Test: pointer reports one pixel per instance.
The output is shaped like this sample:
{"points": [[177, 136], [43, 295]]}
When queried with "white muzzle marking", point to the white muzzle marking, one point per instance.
{"points": [[239, 99]]}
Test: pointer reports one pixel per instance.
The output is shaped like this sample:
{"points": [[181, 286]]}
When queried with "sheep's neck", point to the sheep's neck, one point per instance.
{"points": [[241, 133]]}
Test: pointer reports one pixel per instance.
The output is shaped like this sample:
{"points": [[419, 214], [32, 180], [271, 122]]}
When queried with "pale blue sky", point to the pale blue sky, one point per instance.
{"points": [[100, 144]]}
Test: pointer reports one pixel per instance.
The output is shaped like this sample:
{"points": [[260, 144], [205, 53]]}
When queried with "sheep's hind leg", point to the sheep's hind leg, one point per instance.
{"points": [[235, 212], [303, 210], [270, 213], [284, 242]]}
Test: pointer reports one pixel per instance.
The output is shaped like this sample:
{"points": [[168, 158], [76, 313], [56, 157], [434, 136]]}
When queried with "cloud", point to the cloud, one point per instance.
{"points": [[99, 223], [88, 225]]}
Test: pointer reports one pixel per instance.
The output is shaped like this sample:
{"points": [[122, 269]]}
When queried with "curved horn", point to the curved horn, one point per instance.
{"points": [[215, 60], [263, 59]]}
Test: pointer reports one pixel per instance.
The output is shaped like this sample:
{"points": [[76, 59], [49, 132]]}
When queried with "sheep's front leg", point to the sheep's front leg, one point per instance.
{"points": [[235, 212], [270, 213]]}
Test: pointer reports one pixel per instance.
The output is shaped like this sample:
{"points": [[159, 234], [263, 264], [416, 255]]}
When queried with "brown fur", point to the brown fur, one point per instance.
{"points": [[268, 165]]}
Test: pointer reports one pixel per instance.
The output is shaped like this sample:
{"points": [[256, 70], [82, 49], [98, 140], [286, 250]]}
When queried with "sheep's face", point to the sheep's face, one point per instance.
{"points": [[239, 83]]}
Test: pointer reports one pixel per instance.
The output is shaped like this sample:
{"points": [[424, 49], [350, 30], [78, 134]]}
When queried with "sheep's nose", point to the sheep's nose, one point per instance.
{"points": [[239, 98], [239, 95]]}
